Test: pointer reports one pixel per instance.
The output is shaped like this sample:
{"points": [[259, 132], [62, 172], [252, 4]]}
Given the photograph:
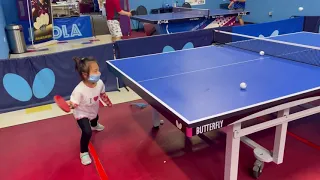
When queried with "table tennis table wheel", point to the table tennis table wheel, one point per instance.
{"points": [[161, 123], [257, 169]]}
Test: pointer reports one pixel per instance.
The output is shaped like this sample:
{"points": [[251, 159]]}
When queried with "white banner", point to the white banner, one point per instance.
{"points": [[196, 2]]}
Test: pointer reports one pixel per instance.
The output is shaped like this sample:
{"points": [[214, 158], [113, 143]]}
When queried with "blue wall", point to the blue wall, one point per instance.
{"points": [[10, 11], [154, 4], [210, 4], [4, 50], [282, 9], [149, 4]]}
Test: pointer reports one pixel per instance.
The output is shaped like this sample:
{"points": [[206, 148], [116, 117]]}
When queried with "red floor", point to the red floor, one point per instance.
{"points": [[44, 150], [308, 129], [130, 149]]}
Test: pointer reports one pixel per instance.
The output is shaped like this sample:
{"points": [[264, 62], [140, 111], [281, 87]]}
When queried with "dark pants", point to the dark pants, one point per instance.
{"points": [[85, 125]]}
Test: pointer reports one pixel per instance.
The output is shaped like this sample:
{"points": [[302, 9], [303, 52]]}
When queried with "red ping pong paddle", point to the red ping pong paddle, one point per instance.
{"points": [[62, 103], [109, 103], [106, 99]]}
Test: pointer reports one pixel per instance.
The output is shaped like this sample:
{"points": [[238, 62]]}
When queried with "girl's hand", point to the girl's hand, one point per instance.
{"points": [[71, 105]]}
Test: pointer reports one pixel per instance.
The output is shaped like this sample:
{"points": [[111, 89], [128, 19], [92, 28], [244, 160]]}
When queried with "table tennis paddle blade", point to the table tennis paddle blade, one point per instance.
{"points": [[106, 100], [61, 103], [109, 103]]}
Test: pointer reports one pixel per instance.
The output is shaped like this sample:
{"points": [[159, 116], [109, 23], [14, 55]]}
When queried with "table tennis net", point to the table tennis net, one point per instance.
{"points": [[193, 11], [291, 51]]}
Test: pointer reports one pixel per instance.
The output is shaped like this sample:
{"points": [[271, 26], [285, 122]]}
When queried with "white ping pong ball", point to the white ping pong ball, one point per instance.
{"points": [[243, 85], [300, 8], [261, 53]]}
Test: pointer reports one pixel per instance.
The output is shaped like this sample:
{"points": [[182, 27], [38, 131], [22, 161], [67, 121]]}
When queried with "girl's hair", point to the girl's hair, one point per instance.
{"points": [[83, 65]]}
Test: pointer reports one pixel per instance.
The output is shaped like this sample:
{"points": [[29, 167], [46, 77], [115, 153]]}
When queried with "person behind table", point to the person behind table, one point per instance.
{"points": [[113, 11], [238, 5], [84, 101]]}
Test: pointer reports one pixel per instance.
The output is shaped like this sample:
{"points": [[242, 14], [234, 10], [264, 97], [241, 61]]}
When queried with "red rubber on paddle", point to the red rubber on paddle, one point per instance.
{"points": [[61, 103]]}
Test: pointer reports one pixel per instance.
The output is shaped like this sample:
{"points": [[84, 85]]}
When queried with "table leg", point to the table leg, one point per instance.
{"points": [[232, 153], [155, 118], [118, 85], [280, 139], [187, 144]]}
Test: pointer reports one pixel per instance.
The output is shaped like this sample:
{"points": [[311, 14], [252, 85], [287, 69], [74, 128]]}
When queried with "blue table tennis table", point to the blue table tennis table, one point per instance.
{"points": [[190, 19], [198, 90]]}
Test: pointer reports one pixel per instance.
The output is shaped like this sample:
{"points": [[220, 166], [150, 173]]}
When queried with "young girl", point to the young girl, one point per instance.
{"points": [[85, 102]]}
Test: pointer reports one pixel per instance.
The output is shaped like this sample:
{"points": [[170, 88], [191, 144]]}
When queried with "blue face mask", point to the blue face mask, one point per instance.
{"points": [[94, 78]]}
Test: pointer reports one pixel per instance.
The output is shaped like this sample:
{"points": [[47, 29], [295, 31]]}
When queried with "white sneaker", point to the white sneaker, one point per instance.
{"points": [[85, 158], [99, 127]]}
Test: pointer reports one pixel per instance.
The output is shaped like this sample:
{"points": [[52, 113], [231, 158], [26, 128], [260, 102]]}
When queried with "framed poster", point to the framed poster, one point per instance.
{"points": [[41, 20], [196, 2]]}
